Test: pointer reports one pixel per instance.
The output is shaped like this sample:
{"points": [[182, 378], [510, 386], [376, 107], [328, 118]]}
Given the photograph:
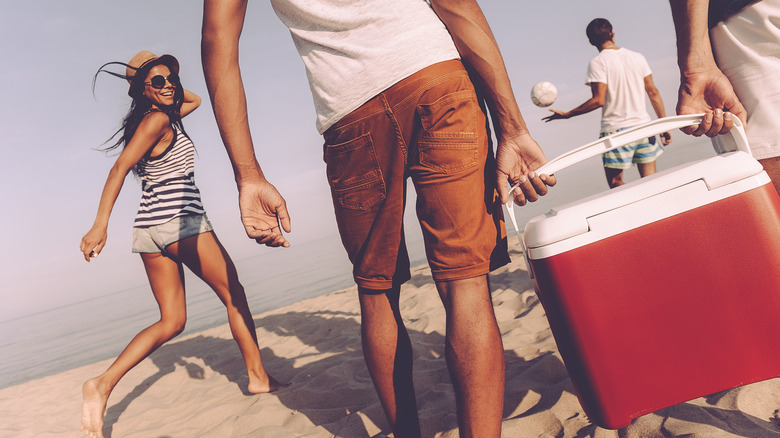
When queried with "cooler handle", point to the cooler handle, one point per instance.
{"points": [[734, 140], [639, 132]]}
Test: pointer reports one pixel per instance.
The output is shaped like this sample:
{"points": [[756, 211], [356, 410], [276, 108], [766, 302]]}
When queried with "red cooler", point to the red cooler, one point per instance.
{"points": [[667, 288]]}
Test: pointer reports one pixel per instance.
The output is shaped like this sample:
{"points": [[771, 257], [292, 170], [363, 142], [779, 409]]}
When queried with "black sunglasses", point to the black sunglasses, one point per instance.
{"points": [[158, 82]]}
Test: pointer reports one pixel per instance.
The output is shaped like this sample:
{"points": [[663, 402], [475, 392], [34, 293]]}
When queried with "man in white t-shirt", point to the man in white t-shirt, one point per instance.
{"points": [[395, 101], [619, 79]]}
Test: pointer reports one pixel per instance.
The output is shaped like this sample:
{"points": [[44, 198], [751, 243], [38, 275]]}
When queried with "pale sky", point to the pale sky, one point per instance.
{"points": [[50, 123]]}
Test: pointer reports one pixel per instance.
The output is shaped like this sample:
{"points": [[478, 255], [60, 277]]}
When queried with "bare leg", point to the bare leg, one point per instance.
{"points": [[772, 168], [165, 277], [475, 356], [206, 257], [614, 177], [646, 169], [388, 354]]}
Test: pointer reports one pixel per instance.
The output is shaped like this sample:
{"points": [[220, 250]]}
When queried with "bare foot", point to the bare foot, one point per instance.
{"points": [[93, 409], [259, 385]]}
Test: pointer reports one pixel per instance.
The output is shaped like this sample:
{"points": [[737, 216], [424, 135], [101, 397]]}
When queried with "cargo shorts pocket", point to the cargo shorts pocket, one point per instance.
{"points": [[450, 142], [354, 174]]}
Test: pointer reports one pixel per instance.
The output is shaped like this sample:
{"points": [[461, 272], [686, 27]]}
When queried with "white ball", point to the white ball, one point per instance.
{"points": [[543, 94]]}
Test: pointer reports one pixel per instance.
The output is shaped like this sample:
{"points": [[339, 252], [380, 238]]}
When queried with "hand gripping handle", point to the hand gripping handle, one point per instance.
{"points": [[734, 140]]}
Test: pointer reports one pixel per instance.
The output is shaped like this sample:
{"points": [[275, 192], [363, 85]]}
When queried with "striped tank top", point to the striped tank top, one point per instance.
{"points": [[168, 183]]}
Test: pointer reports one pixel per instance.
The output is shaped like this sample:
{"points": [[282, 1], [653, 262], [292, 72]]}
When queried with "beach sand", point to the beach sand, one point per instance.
{"points": [[192, 387]]}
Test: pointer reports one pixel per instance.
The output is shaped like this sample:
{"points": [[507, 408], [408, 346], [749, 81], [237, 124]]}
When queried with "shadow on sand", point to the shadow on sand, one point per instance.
{"points": [[332, 388]]}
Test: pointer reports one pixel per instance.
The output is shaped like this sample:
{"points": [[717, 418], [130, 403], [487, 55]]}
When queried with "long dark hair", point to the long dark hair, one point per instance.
{"points": [[141, 105]]}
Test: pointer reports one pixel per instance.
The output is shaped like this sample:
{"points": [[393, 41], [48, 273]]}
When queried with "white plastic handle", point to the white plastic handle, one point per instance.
{"points": [[636, 133], [734, 140]]}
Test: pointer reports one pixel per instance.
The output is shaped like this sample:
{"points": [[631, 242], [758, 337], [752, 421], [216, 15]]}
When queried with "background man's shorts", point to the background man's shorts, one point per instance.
{"points": [[642, 151], [154, 239], [429, 127]]}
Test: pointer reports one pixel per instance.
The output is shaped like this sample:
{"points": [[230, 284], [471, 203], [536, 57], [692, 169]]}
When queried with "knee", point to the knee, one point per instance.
{"points": [[173, 327], [232, 296]]}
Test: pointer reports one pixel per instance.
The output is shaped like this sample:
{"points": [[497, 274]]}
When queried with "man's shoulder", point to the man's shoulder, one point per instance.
{"points": [[617, 56], [603, 60], [631, 53], [597, 60]]}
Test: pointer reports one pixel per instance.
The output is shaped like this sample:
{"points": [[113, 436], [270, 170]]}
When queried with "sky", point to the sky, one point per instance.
{"points": [[52, 175]]}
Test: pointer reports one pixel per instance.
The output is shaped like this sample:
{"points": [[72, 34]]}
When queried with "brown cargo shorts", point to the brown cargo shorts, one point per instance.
{"points": [[429, 127]]}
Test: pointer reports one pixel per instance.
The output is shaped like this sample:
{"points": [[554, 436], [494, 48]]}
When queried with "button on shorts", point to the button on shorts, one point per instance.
{"points": [[154, 239], [428, 127]]}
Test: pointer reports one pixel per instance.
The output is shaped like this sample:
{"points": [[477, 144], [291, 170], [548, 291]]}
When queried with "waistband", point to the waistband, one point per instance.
{"points": [[405, 89]]}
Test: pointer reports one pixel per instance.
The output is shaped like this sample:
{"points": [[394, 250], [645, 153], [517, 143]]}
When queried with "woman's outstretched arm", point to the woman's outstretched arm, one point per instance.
{"points": [[148, 133]]}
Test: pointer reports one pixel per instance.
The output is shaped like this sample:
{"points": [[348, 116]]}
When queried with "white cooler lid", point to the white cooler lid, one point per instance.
{"points": [[640, 202]]}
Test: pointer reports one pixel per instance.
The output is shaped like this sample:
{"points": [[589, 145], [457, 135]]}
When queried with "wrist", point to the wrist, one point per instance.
{"points": [[248, 174], [520, 136], [100, 224], [695, 53], [510, 126], [698, 61]]}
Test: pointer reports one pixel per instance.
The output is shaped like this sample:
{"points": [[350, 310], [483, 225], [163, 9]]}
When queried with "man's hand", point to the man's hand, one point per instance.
{"points": [[556, 115], [517, 158], [666, 138], [263, 211], [709, 91]]}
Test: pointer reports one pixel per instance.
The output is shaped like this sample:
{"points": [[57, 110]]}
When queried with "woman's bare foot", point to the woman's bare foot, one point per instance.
{"points": [[93, 409], [259, 385]]}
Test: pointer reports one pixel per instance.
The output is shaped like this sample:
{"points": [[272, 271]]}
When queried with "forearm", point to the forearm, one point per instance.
{"points": [[589, 105], [191, 102], [658, 105], [108, 198], [693, 41], [222, 26], [480, 53]]}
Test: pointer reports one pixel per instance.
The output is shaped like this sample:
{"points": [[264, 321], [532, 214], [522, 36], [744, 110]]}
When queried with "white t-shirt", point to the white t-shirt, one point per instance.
{"points": [[354, 50], [624, 72]]}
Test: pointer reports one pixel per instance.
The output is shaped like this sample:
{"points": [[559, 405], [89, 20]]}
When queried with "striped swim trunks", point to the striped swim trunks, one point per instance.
{"points": [[641, 151]]}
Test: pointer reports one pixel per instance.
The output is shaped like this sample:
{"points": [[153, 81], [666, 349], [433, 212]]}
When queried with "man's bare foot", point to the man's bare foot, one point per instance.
{"points": [[93, 409], [259, 385]]}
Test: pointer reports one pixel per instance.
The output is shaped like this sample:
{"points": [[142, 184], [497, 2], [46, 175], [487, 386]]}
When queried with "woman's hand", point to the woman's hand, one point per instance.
{"points": [[93, 242]]}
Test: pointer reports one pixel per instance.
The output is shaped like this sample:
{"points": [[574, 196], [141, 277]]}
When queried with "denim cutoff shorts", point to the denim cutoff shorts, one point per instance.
{"points": [[154, 239]]}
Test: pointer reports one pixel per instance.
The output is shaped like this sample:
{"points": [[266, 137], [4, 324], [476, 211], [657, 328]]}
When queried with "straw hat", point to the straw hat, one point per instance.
{"points": [[144, 57]]}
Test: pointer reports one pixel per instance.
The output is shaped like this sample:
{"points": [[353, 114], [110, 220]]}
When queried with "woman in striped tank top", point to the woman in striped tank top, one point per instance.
{"points": [[170, 229]]}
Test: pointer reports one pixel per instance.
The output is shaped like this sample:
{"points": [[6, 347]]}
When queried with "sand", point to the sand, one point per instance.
{"points": [[192, 387]]}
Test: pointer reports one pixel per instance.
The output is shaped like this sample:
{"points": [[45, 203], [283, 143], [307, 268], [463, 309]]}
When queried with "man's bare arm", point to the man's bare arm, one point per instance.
{"points": [[658, 105], [598, 98], [518, 154], [263, 209], [703, 87]]}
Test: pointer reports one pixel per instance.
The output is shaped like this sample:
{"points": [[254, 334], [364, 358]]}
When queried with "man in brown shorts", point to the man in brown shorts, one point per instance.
{"points": [[394, 101]]}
